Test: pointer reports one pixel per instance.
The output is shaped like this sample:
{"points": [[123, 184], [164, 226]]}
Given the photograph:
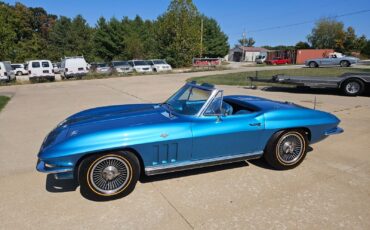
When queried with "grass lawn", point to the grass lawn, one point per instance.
{"points": [[3, 101], [241, 78]]}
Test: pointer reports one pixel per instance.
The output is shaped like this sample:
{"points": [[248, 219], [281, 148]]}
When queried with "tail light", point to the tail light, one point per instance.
{"points": [[5, 74], [52, 70], [66, 69], [29, 71]]}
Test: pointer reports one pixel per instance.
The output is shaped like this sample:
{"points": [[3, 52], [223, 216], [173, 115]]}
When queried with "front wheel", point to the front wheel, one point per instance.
{"points": [[345, 64], [312, 64], [286, 149], [108, 176]]}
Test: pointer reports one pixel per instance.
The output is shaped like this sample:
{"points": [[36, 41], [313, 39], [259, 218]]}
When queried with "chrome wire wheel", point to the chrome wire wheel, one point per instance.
{"points": [[109, 175], [353, 87], [290, 148]]}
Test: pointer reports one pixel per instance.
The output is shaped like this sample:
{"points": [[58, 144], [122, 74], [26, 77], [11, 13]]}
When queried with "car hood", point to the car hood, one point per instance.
{"points": [[162, 65], [124, 114], [142, 66], [106, 119]]}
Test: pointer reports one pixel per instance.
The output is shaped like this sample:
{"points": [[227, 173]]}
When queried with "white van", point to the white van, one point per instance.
{"points": [[40, 69], [6, 72], [73, 67], [140, 66]]}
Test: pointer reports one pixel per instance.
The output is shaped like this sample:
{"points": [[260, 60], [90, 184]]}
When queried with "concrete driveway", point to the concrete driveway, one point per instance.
{"points": [[330, 190]]}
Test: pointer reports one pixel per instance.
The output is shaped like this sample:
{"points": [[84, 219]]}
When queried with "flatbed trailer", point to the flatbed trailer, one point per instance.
{"points": [[352, 84]]}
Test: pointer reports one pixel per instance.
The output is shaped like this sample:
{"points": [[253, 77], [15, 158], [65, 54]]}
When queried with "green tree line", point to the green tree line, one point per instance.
{"points": [[29, 33]]}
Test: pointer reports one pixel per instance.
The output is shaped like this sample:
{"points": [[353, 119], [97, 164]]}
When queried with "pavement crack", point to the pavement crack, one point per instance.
{"points": [[124, 92], [173, 206]]}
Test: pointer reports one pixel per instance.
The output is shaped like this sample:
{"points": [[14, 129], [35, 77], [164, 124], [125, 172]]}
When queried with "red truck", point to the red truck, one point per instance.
{"points": [[278, 61]]}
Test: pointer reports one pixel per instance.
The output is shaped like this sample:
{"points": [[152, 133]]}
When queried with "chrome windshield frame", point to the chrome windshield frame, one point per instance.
{"points": [[214, 92]]}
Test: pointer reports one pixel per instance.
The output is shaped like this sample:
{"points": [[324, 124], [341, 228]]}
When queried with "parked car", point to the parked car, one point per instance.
{"points": [[56, 67], [278, 61], [19, 69], [107, 148], [141, 66], [159, 65], [122, 67], [102, 68], [260, 59], [6, 72], [73, 67], [40, 69], [333, 59]]}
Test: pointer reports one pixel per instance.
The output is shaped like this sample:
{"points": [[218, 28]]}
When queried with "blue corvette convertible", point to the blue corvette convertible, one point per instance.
{"points": [[107, 148]]}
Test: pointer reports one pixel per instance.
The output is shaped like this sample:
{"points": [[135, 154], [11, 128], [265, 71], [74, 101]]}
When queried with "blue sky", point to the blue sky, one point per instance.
{"points": [[233, 15]]}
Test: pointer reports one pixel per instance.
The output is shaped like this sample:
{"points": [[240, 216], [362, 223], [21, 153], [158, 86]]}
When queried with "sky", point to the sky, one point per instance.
{"points": [[234, 16]]}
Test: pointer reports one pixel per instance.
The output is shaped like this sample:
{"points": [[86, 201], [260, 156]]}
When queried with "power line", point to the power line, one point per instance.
{"points": [[307, 22]]}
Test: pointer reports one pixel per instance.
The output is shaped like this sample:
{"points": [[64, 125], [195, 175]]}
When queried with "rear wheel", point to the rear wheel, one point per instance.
{"points": [[286, 149], [353, 87], [19, 73], [109, 176]]}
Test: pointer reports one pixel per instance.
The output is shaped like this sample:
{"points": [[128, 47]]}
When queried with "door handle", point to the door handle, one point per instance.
{"points": [[255, 124]]}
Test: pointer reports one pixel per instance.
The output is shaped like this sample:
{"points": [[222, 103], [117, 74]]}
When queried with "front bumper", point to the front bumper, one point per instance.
{"points": [[81, 74], [336, 130], [58, 171], [48, 77]]}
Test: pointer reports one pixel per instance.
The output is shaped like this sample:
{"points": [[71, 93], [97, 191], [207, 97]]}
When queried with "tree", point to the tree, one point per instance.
{"points": [[7, 34], [80, 38], [249, 42], [178, 33], [360, 43], [138, 38], [214, 40], [105, 45], [327, 34], [366, 49], [60, 38], [302, 45], [349, 39]]}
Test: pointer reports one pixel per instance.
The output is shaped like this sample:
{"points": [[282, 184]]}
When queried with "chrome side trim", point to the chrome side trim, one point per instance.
{"points": [[334, 131], [160, 169], [41, 167]]}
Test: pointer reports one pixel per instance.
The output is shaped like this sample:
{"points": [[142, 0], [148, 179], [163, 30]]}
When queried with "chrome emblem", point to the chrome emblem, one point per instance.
{"points": [[74, 132], [164, 135]]}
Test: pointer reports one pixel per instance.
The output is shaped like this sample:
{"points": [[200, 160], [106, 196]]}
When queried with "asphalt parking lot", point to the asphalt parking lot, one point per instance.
{"points": [[330, 190]]}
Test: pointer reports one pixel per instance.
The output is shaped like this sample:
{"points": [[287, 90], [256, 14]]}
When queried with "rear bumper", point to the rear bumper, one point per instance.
{"points": [[334, 131]]}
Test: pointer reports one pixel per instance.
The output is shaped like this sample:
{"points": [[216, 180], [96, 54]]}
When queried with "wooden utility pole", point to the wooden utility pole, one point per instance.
{"points": [[243, 44], [201, 38]]}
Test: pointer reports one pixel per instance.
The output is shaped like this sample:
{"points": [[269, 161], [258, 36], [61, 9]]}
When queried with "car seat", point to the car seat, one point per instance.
{"points": [[242, 111]]}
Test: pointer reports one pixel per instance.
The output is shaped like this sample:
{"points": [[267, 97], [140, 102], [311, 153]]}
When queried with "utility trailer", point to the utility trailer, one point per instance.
{"points": [[352, 84]]}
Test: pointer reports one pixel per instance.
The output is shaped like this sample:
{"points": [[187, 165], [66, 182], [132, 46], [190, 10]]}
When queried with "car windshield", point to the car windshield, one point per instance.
{"points": [[101, 65], [120, 63], [188, 100], [159, 62], [141, 63]]}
